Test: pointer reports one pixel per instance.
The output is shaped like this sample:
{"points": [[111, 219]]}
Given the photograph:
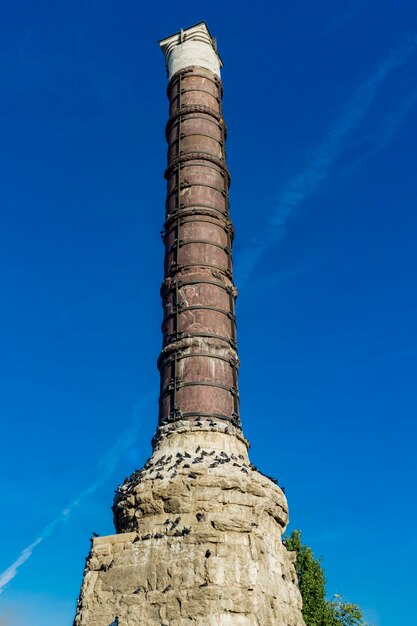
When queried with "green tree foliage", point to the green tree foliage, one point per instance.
{"points": [[317, 611], [346, 613]]}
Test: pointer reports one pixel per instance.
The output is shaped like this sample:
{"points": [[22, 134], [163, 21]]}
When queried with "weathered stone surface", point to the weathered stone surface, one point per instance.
{"points": [[199, 543]]}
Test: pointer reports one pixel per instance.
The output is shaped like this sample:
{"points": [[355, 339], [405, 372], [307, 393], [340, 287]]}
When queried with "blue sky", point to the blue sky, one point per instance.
{"points": [[320, 102]]}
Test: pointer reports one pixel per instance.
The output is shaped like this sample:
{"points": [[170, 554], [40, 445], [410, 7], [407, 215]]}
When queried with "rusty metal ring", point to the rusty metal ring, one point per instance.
{"points": [[196, 156]]}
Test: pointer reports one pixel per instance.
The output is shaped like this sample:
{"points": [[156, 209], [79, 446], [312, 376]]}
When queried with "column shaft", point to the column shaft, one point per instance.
{"points": [[198, 363]]}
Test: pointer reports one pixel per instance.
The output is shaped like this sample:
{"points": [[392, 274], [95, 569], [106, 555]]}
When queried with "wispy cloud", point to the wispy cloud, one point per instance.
{"points": [[389, 128], [10, 572], [334, 142], [107, 465]]}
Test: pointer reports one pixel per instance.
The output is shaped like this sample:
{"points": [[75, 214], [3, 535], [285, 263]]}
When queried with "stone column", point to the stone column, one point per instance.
{"points": [[199, 528], [198, 362]]}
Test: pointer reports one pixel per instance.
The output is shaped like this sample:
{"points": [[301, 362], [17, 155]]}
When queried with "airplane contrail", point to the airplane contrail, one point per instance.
{"points": [[108, 462], [304, 184]]}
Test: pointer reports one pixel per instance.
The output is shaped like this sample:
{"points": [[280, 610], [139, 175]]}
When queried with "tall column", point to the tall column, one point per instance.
{"points": [[198, 528], [198, 363]]}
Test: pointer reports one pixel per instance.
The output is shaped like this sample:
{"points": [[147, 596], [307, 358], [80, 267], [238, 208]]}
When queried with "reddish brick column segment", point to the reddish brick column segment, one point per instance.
{"points": [[198, 363]]}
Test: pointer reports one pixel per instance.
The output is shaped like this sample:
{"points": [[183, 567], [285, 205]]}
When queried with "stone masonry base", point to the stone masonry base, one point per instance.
{"points": [[199, 544]]}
